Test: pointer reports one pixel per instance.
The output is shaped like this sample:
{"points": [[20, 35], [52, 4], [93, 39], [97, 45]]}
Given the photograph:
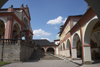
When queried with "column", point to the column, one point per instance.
{"points": [[74, 53], [9, 28], [71, 45], [68, 52], [86, 53], [55, 50], [45, 50], [9, 25]]}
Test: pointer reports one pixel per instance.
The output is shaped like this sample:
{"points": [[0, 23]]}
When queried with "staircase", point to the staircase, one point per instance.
{"points": [[40, 55]]}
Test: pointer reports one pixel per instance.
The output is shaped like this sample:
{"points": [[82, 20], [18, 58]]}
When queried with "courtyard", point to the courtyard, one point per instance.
{"points": [[62, 62]]}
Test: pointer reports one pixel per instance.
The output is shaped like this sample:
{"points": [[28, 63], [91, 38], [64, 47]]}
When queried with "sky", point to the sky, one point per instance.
{"points": [[47, 15]]}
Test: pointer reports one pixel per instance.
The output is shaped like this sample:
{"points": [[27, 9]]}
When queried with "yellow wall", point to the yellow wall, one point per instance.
{"points": [[65, 31]]}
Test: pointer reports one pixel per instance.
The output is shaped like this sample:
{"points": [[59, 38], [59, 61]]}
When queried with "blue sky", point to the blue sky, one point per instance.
{"points": [[47, 15]]}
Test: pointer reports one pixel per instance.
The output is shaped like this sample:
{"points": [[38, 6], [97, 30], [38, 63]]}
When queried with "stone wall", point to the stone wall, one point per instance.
{"points": [[11, 53], [0, 51], [15, 52], [25, 53]]}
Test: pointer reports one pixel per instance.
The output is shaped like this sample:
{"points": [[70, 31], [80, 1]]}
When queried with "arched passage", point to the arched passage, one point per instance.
{"points": [[77, 46], [16, 31], [92, 38], [2, 29], [95, 41], [25, 21], [68, 48], [50, 50]]}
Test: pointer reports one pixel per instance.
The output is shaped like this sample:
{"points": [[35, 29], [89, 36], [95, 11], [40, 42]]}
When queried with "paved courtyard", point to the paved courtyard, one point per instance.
{"points": [[44, 63], [50, 60]]}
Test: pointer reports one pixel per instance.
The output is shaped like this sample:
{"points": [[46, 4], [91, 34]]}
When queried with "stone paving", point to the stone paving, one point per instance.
{"points": [[65, 62], [44, 63]]}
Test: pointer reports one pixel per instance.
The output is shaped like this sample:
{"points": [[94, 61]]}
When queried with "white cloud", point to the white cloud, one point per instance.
{"points": [[40, 33], [55, 21], [64, 20], [58, 20], [46, 38]]}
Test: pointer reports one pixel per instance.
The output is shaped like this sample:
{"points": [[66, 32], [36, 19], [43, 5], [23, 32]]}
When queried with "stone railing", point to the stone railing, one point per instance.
{"points": [[10, 41], [15, 42]]}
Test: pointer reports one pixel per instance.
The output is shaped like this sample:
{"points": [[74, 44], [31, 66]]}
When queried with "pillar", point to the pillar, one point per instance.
{"points": [[55, 50], [74, 53], [9, 28], [9, 25], [86, 53], [45, 50], [71, 46], [68, 52]]}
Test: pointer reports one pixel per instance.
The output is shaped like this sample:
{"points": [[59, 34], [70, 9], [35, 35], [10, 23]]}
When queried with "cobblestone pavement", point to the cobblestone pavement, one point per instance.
{"points": [[44, 63]]}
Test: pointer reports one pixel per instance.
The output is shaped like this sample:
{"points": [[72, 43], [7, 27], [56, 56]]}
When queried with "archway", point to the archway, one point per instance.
{"points": [[25, 21], [50, 50], [92, 38], [95, 41], [78, 46], [16, 31], [68, 48], [2, 29]]}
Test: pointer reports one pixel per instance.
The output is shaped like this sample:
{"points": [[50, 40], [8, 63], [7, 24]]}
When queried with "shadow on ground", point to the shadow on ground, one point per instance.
{"points": [[38, 55]]}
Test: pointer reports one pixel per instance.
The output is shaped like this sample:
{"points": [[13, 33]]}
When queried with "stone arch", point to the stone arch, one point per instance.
{"points": [[68, 43], [25, 21], [74, 35], [68, 46], [3, 21], [50, 50], [75, 38], [78, 45], [92, 38], [16, 31], [2, 29], [88, 29], [18, 25]]}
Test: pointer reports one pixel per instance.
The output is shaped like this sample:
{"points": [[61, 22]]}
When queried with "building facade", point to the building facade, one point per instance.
{"points": [[80, 37], [15, 26]]}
